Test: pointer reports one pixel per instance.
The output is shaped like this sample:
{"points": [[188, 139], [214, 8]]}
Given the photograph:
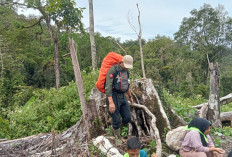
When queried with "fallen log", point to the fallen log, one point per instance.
{"points": [[223, 101], [226, 116], [42, 144]]}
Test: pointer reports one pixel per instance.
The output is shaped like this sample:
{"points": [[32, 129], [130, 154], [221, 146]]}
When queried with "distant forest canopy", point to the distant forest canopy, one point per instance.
{"points": [[179, 65]]}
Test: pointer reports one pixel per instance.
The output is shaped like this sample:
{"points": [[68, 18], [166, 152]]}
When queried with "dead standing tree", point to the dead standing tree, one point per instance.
{"points": [[140, 40], [79, 82], [91, 32], [89, 112], [213, 114], [211, 110], [1, 58]]}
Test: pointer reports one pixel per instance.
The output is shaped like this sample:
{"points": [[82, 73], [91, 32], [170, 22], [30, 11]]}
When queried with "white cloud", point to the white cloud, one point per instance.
{"points": [[157, 17]]}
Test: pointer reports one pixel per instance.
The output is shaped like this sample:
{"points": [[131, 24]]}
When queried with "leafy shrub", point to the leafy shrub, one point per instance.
{"points": [[183, 105], [4, 128], [226, 108], [227, 131], [47, 108], [124, 131]]}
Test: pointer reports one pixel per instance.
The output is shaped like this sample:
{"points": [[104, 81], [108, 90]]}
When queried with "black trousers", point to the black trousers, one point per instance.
{"points": [[122, 109]]}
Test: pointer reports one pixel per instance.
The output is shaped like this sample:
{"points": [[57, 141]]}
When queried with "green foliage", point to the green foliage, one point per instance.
{"points": [[47, 108], [124, 131], [65, 13], [218, 142], [4, 128], [152, 144], [226, 108], [198, 32], [183, 105], [151, 148], [109, 131], [94, 151], [227, 131]]}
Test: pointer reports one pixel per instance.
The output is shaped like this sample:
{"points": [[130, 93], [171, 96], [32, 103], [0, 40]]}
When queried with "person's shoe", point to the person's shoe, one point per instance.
{"points": [[118, 142], [117, 134]]}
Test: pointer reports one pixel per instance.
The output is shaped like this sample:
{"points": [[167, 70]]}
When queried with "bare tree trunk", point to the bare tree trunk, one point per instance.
{"points": [[2, 69], [79, 83], [140, 40], [91, 32], [213, 114], [140, 43], [2, 64], [56, 63], [56, 51]]}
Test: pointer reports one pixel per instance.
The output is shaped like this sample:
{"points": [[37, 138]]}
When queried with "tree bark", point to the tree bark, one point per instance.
{"points": [[55, 39], [56, 63], [91, 32], [140, 43], [2, 69], [153, 130], [213, 114], [226, 116], [79, 82]]}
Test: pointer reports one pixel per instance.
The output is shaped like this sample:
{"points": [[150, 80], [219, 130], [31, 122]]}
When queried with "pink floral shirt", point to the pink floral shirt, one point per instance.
{"points": [[192, 141]]}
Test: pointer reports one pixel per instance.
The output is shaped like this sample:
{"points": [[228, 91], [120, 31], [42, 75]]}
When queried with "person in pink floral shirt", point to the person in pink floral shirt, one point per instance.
{"points": [[197, 142]]}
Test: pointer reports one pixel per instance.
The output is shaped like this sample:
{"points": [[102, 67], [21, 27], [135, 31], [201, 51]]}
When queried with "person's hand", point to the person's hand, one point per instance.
{"points": [[154, 155], [111, 107], [219, 150], [131, 100]]}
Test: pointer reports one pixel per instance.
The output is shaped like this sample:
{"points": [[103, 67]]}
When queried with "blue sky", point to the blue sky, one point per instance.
{"points": [[157, 17]]}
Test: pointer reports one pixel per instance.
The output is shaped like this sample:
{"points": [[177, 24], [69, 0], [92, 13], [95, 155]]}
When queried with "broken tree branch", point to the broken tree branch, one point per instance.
{"points": [[120, 46]]}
